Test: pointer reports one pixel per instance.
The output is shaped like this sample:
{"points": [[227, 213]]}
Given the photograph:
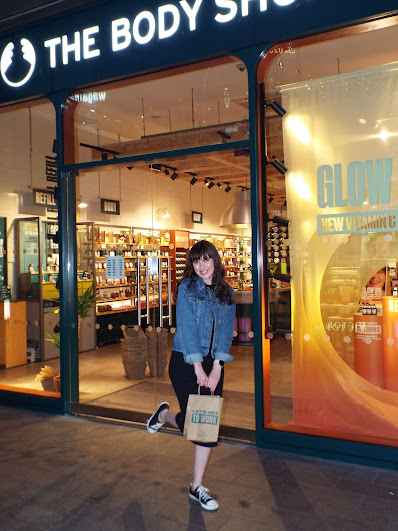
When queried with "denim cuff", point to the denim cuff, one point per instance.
{"points": [[191, 358], [223, 356]]}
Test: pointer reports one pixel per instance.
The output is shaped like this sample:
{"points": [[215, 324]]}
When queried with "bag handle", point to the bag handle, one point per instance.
{"points": [[212, 393]]}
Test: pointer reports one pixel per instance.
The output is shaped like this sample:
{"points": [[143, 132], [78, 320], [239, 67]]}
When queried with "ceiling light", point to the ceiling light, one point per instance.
{"points": [[82, 203], [193, 181], [162, 212], [228, 188], [156, 167], [166, 171], [173, 176], [238, 214], [219, 185], [224, 136], [278, 166], [277, 108], [210, 183]]}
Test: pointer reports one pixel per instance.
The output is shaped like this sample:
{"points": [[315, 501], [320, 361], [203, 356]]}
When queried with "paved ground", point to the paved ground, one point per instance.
{"points": [[68, 473]]}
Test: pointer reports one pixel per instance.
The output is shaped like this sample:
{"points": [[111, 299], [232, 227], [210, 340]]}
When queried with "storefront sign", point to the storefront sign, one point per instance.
{"points": [[20, 56], [197, 217], [109, 206], [44, 197]]}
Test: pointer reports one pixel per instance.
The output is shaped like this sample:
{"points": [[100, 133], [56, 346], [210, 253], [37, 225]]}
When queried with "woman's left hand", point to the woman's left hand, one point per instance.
{"points": [[214, 377]]}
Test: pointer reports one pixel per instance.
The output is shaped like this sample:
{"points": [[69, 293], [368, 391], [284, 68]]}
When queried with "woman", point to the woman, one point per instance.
{"points": [[378, 280], [205, 324]]}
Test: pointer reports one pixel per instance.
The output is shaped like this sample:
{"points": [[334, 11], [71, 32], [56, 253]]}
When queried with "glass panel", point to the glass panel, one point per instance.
{"points": [[336, 373], [29, 259], [192, 106], [142, 232]]}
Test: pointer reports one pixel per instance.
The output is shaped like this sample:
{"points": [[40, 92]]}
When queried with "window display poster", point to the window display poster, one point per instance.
{"points": [[3, 261], [342, 199], [29, 248]]}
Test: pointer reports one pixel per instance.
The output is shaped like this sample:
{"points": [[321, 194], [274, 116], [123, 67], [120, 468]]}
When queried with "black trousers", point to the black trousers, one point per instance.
{"points": [[183, 378]]}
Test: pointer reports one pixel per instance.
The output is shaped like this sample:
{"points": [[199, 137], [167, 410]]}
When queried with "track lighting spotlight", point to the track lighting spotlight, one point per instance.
{"points": [[277, 108], [228, 188], [156, 167], [129, 168], [209, 182], [219, 185], [270, 198], [173, 176], [224, 136], [193, 181], [278, 166], [166, 171]]}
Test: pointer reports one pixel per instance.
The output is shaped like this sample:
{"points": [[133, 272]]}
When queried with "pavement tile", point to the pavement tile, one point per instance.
{"points": [[369, 489], [238, 524], [70, 473]]}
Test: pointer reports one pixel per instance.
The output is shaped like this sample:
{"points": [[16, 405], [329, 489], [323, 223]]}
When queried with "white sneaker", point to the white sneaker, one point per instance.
{"points": [[201, 494], [153, 425]]}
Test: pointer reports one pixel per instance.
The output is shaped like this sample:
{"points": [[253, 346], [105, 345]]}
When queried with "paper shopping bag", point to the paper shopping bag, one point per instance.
{"points": [[202, 419]]}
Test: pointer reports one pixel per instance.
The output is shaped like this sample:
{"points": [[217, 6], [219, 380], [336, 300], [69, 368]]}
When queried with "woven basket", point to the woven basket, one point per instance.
{"points": [[134, 353], [134, 371], [157, 351]]}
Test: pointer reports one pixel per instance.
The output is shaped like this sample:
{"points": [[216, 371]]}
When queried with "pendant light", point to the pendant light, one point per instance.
{"points": [[82, 203], [238, 214]]}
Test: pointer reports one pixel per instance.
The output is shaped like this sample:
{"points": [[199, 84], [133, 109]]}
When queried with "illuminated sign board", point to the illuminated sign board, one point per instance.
{"points": [[18, 58]]}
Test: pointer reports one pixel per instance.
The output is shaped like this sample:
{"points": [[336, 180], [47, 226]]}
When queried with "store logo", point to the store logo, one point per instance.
{"points": [[18, 63]]}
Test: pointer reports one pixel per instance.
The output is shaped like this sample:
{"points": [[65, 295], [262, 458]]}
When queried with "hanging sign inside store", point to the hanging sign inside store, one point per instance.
{"points": [[44, 197], [110, 206], [197, 217], [19, 57], [114, 267], [365, 182]]}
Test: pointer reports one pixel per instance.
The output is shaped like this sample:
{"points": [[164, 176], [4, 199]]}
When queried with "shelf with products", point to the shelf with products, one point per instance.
{"points": [[50, 250], [278, 247], [178, 252], [236, 254], [143, 278]]}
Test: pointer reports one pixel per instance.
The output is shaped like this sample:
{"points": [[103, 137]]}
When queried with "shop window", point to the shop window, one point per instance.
{"points": [[331, 143], [192, 106], [29, 258]]}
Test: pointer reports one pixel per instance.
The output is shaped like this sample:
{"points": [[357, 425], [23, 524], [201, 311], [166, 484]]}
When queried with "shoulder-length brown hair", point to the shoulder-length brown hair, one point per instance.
{"points": [[203, 249]]}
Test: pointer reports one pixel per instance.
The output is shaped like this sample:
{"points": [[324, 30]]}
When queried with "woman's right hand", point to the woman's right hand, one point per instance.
{"points": [[201, 376]]}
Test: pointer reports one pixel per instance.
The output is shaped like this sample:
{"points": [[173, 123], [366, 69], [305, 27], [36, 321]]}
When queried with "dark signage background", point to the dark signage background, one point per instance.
{"points": [[210, 38]]}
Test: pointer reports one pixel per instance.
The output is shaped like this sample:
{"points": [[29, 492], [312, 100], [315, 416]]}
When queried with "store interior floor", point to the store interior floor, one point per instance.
{"points": [[103, 383]]}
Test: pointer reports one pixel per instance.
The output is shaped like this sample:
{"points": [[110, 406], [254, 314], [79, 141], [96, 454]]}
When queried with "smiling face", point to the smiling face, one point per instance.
{"points": [[378, 280], [204, 268]]}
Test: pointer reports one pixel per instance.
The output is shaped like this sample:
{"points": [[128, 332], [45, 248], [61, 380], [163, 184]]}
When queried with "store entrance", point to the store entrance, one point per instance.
{"points": [[144, 214], [136, 263]]}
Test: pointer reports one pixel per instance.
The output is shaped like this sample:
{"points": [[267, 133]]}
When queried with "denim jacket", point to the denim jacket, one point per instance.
{"points": [[197, 308]]}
